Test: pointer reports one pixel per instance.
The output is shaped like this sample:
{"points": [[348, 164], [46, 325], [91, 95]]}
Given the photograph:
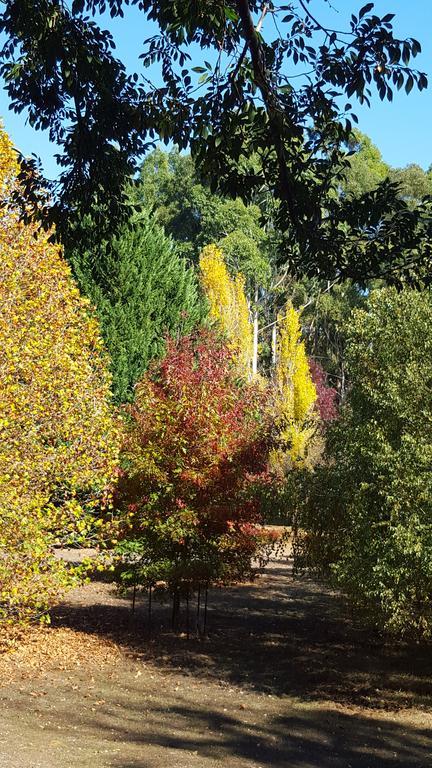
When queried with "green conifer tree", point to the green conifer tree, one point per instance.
{"points": [[142, 290]]}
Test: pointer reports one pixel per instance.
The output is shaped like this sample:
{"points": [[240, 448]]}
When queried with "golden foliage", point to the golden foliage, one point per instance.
{"points": [[228, 304], [58, 442], [295, 391], [8, 165]]}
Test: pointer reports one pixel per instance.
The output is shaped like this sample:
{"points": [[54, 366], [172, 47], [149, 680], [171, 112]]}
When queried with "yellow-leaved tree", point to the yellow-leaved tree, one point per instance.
{"points": [[228, 304], [295, 393], [58, 439]]}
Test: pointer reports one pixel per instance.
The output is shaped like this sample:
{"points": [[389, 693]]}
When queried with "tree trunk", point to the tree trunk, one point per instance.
{"points": [[342, 383], [274, 339]]}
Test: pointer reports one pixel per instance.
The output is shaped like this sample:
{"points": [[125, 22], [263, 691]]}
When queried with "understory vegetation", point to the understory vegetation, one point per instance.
{"points": [[364, 518]]}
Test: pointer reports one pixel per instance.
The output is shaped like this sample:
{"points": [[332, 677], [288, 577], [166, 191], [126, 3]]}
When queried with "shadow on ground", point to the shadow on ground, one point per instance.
{"points": [[276, 636], [321, 739], [133, 730]]}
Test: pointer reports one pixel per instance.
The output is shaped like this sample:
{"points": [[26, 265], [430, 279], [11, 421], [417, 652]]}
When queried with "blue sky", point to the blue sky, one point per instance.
{"points": [[401, 130]]}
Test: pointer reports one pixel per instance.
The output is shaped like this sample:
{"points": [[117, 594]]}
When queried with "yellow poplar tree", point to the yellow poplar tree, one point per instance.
{"points": [[295, 394], [58, 440], [228, 304]]}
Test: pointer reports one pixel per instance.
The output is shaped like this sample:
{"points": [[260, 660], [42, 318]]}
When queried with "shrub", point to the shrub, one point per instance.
{"points": [[58, 442], [367, 520]]}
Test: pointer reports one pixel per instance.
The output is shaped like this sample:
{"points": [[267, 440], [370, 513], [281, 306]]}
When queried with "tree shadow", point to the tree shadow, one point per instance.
{"points": [[276, 636], [184, 736], [313, 739]]}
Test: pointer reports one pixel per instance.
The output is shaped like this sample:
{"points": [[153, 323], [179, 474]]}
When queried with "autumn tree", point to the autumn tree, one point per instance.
{"points": [[58, 442], [195, 216], [295, 393], [195, 450], [327, 397], [228, 305]]}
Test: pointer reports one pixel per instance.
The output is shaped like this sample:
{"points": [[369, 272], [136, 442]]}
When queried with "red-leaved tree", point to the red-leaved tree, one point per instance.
{"points": [[326, 396], [196, 451]]}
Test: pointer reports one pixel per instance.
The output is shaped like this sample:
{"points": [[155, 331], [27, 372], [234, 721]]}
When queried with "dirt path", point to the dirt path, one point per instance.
{"points": [[285, 680]]}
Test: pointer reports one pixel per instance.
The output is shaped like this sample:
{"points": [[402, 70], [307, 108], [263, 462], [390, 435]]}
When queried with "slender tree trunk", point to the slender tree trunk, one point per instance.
{"points": [[274, 339], [342, 383], [205, 610], [175, 610]]}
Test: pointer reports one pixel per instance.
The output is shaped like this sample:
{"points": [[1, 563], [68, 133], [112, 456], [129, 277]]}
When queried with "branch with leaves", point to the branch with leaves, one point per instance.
{"points": [[277, 98]]}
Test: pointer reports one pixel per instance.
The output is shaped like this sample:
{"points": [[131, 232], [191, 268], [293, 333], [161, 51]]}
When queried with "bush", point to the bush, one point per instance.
{"points": [[58, 442], [367, 518]]}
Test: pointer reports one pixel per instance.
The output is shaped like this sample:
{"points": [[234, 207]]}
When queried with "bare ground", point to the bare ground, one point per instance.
{"points": [[285, 679]]}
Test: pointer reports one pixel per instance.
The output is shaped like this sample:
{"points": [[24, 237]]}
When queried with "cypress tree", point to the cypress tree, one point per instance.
{"points": [[142, 290]]}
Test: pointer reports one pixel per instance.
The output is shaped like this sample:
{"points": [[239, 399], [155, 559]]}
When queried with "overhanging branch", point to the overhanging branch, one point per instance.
{"points": [[277, 119]]}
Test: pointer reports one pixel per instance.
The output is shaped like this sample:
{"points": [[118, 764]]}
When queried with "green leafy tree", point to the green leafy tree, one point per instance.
{"points": [[271, 91], [195, 217], [325, 322], [367, 518], [142, 291], [366, 169], [168, 187], [414, 183]]}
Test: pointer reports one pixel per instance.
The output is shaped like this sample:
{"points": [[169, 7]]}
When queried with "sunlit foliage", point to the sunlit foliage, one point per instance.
{"points": [[142, 291], [365, 519], [196, 448], [58, 443], [228, 305], [295, 392]]}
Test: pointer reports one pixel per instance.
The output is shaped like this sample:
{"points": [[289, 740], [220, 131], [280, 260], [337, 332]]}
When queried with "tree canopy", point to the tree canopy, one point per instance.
{"points": [[271, 86], [142, 291], [366, 517], [195, 448], [169, 186], [367, 169], [59, 442]]}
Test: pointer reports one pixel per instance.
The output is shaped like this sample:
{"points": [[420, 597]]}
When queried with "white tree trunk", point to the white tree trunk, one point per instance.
{"points": [[274, 338]]}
